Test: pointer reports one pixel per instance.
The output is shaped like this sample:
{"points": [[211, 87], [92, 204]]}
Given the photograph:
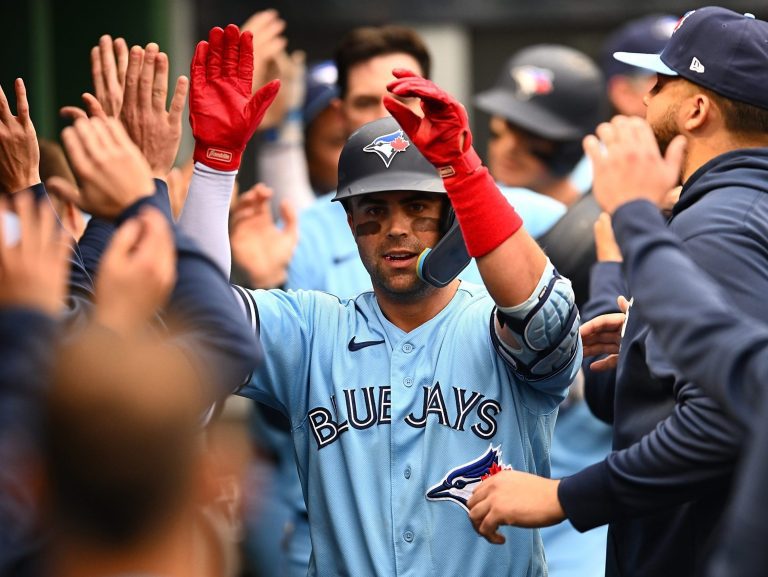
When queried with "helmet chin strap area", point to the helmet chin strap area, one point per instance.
{"points": [[438, 266]]}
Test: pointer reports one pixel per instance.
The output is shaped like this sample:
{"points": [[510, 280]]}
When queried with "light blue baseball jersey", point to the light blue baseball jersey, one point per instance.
{"points": [[393, 430], [326, 257]]}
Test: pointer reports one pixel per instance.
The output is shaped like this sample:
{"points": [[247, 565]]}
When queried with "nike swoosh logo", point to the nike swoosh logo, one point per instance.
{"points": [[343, 258], [353, 346]]}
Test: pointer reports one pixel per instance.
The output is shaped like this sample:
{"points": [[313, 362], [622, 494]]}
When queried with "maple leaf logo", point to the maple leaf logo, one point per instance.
{"points": [[399, 144]]}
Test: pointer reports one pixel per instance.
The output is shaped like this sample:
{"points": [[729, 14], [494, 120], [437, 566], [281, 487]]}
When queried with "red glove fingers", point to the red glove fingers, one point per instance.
{"points": [[223, 113], [443, 137]]}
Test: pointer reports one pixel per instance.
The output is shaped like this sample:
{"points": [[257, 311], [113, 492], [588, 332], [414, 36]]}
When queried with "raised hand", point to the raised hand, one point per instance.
{"points": [[442, 135], [137, 272], [109, 63], [112, 171], [19, 151], [155, 130], [258, 246], [628, 165], [268, 44], [33, 268], [223, 113]]}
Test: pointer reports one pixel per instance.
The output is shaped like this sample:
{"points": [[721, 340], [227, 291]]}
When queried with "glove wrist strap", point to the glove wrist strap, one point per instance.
{"points": [[217, 157], [466, 164], [485, 216]]}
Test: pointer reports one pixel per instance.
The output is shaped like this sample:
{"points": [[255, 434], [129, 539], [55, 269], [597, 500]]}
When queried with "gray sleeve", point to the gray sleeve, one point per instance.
{"points": [[205, 217]]}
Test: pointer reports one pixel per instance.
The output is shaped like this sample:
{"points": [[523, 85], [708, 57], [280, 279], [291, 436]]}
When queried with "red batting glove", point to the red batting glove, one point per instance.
{"points": [[443, 137], [222, 112], [443, 134]]}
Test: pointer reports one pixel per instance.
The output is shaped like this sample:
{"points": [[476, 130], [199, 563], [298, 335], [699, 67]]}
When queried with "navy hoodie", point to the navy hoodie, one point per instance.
{"points": [[664, 488]]}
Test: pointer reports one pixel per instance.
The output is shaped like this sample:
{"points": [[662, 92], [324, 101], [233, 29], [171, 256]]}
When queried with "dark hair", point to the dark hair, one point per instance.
{"points": [[362, 44], [739, 117]]}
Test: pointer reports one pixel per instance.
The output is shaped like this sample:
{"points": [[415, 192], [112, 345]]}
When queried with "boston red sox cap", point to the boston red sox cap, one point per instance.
{"points": [[717, 48]]}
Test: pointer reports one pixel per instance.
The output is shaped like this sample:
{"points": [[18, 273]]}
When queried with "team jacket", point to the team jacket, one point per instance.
{"points": [[392, 430], [664, 488], [691, 321]]}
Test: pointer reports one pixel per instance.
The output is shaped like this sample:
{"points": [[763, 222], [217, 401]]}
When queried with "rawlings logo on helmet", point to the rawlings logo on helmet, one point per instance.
{"points": [[388, 145]]}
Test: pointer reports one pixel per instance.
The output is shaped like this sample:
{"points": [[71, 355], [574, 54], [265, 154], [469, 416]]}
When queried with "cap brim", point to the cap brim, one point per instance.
{"points": [[526, 115], [650, 62]]}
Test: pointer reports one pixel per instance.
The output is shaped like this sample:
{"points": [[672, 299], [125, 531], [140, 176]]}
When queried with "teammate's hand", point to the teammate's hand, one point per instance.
{"points": [[137, 273], [155, 130], [628, 165], [514, 498], [34, 268], [443, 135], [605, 242], [19, 151], [602, 336], [109, 62], [258, 246], [222, 112], [112, 171]]}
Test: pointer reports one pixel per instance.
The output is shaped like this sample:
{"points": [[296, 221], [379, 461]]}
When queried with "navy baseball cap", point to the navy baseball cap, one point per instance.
{"points": [[718, 49], [648, 34], [321, 89]]}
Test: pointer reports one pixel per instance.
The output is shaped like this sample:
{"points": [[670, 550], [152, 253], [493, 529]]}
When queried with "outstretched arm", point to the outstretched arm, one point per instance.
{"points": [[537, 321]]}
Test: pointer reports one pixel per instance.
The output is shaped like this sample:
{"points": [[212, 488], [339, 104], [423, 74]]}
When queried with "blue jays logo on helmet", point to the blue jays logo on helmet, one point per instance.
{"points": [[388, 145], [460, 482]]}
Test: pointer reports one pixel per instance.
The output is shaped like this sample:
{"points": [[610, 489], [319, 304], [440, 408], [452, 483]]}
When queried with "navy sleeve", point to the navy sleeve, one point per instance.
{"points": [[203, 316], [697, 446], [606, 284], [702, 333], [26, 344]]}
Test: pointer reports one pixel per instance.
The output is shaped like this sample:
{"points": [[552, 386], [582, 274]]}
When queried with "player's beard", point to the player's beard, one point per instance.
{"points": [[666, 129]]}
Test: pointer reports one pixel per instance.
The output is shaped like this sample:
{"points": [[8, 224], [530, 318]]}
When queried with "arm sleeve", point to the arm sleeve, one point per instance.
{"points": [[606, 283], [205, 218], [702, 333], [202, 315], [691, 450]]}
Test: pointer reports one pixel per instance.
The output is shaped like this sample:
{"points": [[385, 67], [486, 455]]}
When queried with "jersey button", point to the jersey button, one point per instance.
{"points": [[408, 536], [407, 472], [407, 347], [407, 381]]}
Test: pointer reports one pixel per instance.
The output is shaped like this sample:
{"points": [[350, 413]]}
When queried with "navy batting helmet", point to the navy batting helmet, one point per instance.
{"points": [[379, 157]]}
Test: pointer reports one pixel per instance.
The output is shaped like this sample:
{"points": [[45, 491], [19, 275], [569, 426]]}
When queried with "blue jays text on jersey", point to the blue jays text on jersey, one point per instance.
{"points": [[392, 430], [326, 430]]}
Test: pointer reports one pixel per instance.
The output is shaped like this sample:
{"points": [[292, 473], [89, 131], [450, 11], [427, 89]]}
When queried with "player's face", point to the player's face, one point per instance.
{"points": [[391, 230], [512, 156], [325, 139], [367, 84], [663, 103]]}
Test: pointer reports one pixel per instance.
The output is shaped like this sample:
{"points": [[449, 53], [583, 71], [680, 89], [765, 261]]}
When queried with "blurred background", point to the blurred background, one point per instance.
{"points": [[47, 43]]}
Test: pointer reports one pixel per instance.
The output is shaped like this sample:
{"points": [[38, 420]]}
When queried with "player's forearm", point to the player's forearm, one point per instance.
{"points": [[205, 217]]}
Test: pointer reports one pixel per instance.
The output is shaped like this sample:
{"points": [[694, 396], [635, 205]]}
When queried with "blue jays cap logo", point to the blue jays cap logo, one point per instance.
{"points": [[460, 482], [683, 19], [532, 81], [388, 145]]}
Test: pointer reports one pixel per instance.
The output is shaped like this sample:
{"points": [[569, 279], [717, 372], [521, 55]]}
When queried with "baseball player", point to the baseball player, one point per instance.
{"points": [[400, 400]]}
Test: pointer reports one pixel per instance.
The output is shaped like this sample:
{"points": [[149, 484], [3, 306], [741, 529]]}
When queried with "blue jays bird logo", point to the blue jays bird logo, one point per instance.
{"points": [[460, 482], [532, 81], [388, 145]]}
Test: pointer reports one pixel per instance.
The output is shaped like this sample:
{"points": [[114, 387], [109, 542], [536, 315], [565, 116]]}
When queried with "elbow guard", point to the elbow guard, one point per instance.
{"points": [[540, 337]]}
